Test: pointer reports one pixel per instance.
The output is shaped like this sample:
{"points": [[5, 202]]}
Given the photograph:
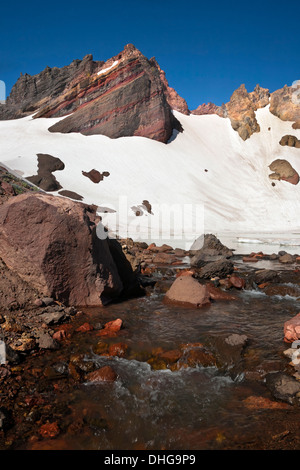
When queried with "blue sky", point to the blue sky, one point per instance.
{"points": [[207, 49]]}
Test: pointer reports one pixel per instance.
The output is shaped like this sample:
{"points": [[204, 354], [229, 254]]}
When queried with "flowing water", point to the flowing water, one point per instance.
{"points": [[191, 408]]}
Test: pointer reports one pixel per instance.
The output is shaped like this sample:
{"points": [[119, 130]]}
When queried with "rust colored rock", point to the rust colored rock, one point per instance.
{"points": [[60, 335], [111, 328], [218, 294], [209, 108], [292, 329], [187, 290], [171, 356], [118, 349], [51, 243], [241, 109], [237, 282], [105, 374], [283, 104], [85, 327], [49, 430], [129, 99]]}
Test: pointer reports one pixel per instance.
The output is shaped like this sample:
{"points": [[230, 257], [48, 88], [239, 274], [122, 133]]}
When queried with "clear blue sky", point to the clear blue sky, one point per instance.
{"points": [[207, 49]]}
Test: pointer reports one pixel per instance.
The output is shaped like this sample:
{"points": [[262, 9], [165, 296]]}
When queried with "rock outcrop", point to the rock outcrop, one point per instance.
{"points": [[124, 96], [206, 108], [290, 140], [241, 109], [51, 244], [285, 104], [283, 170]]}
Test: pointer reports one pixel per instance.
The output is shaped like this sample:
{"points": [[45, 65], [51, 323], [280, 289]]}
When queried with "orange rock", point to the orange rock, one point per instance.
{"points": [[85, 327], [263, 285], [111, 328], [218, 294], [185, 272], [60, 335], [105, 374], [49, 430]]}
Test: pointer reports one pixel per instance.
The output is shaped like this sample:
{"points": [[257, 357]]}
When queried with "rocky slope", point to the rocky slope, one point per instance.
{"points": [[284, 103]]}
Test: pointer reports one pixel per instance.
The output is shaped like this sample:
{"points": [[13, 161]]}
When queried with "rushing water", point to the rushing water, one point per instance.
{"points": [[193, 408]]}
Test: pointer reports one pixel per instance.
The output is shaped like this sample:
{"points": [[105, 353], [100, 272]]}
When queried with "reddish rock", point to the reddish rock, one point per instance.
{"points": [[250, 259], [51, 243], [129, 99], [49, 430], [165, 258], [237, 282], [283, 105], [118, 349], [60, 335], [171, 356], [218, 294], [111, 328], [85, 327], [187, 290], [292, 329], [105, 374], [241, 109], [206, 108]]}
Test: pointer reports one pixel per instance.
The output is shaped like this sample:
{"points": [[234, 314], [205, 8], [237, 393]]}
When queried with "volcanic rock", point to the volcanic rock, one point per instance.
{"points": [[283, 170], [290, 140], [283, 386], [220, 268], [210, 245], [285, 104], [187, 290], [125, 98], [292, 329], [209, 108], [51, 244], [241, 109]]}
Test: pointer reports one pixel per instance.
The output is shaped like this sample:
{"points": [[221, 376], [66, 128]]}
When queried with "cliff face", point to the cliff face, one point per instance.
{"points": [[124, 96]]}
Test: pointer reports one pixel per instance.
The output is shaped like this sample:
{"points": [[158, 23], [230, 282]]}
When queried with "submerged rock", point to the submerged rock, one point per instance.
{"points": [[283, 387]]}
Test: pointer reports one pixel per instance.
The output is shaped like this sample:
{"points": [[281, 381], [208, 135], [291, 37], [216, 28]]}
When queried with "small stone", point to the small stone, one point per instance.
{"points": [[105, 374]]}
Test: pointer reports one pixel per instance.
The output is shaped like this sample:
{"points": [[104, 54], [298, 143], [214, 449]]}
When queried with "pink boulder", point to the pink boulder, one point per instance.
{"points": [[292, 329], [187, 290]]}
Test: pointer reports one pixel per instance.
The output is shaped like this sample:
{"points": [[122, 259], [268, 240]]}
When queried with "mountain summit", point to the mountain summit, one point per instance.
{"points": [[128, 95]]}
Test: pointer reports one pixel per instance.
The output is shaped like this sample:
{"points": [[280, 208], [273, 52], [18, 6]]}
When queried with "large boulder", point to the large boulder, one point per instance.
{"points": [[51, 244], [208, 245]]}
